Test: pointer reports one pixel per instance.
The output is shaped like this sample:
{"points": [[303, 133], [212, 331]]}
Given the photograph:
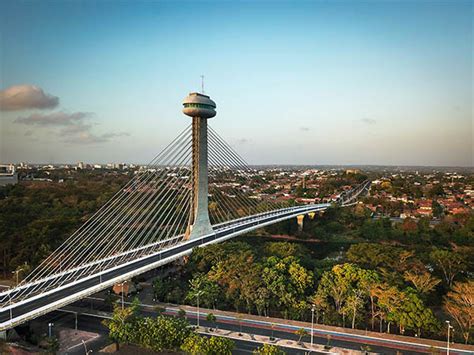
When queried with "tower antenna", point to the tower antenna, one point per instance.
{"points": [[202, 84]]}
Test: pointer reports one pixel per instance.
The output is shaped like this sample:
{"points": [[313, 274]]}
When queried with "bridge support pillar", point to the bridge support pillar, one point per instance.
{"points": [[311, 215], [300, 219], [200, 223], [3, 335]]}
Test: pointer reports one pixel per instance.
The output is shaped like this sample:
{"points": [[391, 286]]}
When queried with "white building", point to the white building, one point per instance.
{"points": [[8, 175]]}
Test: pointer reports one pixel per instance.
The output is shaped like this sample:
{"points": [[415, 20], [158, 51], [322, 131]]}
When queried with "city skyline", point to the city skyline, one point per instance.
{"points": [[313, 84]]}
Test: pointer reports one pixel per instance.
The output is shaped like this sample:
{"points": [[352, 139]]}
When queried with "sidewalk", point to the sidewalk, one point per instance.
{"points": [[276, 341]]}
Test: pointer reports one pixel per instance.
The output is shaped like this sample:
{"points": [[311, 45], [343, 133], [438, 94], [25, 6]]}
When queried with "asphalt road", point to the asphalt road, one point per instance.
{"points": [[278, 332]]}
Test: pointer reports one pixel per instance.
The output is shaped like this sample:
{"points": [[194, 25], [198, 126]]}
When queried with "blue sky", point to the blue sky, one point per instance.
{"points": [[308, 82]]}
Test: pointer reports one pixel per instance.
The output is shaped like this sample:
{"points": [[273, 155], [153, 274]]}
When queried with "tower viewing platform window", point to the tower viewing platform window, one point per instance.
{"points": [[199, 106]]}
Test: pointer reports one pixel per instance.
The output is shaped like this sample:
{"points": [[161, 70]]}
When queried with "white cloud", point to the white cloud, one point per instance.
{"points": [[69, 127], [54, 119], [87, 137], [22, 97]]}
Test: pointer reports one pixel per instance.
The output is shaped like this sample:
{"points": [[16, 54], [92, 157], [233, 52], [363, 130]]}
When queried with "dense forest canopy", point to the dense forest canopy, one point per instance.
{"points": [[37, 216]]}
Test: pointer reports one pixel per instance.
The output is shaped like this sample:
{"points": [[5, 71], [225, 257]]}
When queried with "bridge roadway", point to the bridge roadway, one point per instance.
{"points": [[16, 313]]}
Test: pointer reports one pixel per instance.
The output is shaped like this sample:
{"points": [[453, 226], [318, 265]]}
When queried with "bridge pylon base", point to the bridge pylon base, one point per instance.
{"points": [[300, 219]]}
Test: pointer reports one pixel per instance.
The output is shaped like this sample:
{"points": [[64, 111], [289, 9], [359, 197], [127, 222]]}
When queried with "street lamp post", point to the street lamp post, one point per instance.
{"points": [[16, 272], [312, 324], [122, 294], [449, 332], [50, 325]]}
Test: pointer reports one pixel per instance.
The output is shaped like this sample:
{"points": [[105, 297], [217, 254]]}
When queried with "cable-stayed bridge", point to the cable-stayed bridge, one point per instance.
{"points": [[197, 191]]}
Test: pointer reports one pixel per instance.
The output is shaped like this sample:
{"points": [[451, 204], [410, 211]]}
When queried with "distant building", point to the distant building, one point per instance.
{"points": [[8, 175], [425, 208]]}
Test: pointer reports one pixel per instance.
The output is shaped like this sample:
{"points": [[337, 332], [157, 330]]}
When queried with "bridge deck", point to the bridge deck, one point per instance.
{"points": [[16, 313]]}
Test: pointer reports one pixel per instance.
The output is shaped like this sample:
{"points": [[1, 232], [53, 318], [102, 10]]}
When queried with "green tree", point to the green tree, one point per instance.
{"points": [[423, 282], [122, 326], [376, 230], [388, 302], [284, 249], [220, 346], [211, 318], [320, 304], [161, 289], [354, 303], [194, 344], [250, 284], [413, 314], [161, 333], [373, 255], [203, 259], [450, 263], [459, 303], [343, 281], [231, 273], [268, 349], [369, 284], [288, 283], [207, 290], [198, 345], [262, 300]]}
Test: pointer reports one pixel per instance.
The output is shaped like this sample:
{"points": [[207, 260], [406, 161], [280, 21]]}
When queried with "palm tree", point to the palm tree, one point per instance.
{"points": [[212, 319], [240, 317], [301, 333]]}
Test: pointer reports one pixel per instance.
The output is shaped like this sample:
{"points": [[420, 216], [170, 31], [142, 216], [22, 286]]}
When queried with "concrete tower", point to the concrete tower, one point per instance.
{"points": [[200, 107]]}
